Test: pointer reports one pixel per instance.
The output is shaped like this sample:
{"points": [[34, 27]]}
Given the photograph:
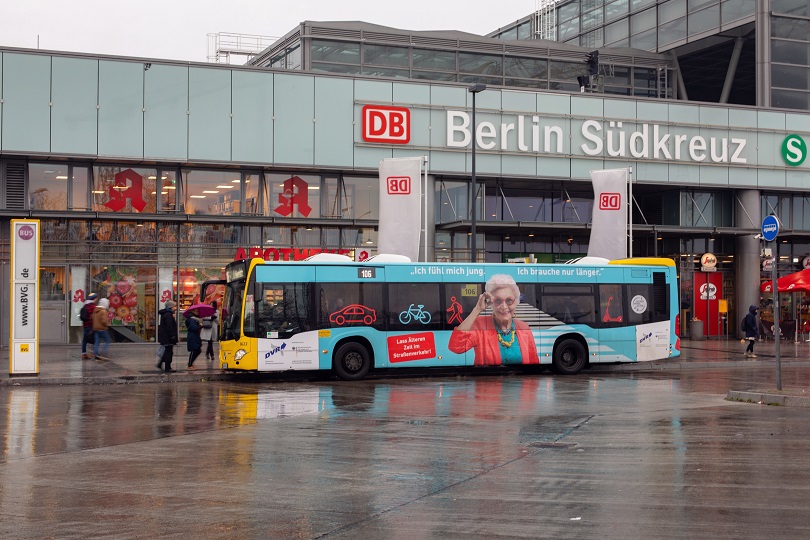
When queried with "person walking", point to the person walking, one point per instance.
{"points": [[86, 316], [210, 332], [193, 339], [750, 327], [167, 336], [101, 321]]}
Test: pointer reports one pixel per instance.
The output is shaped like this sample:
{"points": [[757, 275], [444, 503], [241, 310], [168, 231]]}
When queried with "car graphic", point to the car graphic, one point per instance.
{"points": [[353, 313]]}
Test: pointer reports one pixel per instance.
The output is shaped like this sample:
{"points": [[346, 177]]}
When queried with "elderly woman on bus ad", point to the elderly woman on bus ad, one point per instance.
{"points": [[500, 338]]}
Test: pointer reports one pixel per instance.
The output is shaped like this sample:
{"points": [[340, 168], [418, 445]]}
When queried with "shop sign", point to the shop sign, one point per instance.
{"points": [[767, 265], [24, 338], [806, 262], [708, 262], [283, 254]]}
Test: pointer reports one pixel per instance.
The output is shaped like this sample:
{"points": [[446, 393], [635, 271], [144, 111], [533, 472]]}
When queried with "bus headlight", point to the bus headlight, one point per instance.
{"points": [[239, 354]]}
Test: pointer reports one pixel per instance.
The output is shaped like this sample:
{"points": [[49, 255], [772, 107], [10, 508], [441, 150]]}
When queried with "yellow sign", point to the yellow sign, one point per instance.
{"points": [[324, 333], [722, 306], [23, 347], [469, 290]]}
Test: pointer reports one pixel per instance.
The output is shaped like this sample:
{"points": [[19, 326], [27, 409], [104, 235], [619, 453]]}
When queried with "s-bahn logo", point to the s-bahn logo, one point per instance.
{"points": [[390, 125], [794, 150], [610, 201]]}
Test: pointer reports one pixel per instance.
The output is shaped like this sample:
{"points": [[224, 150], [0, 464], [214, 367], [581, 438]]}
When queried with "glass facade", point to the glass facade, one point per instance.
{"points": [[365, 57]]}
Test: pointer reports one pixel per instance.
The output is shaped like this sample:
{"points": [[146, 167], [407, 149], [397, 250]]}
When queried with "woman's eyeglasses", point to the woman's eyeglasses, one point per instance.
{"points": [[501, 301]]}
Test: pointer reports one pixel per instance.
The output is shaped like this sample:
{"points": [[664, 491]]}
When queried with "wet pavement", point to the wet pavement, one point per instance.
{"points": [[135, 363], [611, 453]]}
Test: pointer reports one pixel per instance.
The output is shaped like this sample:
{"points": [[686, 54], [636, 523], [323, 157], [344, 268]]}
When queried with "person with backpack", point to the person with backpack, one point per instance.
{"points": [[86, 316], [101, 321], [749, 326]]}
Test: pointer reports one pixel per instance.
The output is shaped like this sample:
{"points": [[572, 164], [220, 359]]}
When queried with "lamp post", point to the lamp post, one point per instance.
{"points": [[474, 89]]}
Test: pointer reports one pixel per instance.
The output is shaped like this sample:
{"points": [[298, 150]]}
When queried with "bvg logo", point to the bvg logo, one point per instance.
{"points": [[386, 124], [610, 201], [398, 185], [794, 150]]}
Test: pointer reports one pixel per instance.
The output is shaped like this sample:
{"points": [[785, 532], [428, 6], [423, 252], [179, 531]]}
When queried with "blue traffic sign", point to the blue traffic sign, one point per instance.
{"points": [[770, 227]]}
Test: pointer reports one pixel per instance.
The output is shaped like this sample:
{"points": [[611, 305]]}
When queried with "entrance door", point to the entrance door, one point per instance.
{"points": [[52, 305]]}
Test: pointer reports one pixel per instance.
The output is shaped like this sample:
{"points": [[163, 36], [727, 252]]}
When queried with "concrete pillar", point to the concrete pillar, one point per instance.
{"points": [[747, 259], [762, 34], [429, 231]]}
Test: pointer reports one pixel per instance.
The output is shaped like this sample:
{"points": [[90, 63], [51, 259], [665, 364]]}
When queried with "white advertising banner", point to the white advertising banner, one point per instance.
{"points": [[24, 339], [165, 282], [78, 293], [609, 223], [400, 206]]}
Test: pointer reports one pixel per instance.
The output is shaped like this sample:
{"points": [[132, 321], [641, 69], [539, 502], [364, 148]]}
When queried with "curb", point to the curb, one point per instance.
{"points": [[764, 398]]}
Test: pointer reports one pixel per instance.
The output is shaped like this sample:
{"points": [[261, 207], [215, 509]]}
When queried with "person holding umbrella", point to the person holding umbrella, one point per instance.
{"points": [[193, 339]]}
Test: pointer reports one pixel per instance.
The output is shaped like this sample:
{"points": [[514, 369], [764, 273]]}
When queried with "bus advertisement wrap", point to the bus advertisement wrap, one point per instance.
{"points": [[353, 317]]}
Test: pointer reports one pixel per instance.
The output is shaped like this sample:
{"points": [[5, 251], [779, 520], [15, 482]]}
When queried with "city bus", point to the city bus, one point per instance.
{"points": [[331, 313]]}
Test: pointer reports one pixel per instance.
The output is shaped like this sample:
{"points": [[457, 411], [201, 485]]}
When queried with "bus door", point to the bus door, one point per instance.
{"points": [[279, 312]]}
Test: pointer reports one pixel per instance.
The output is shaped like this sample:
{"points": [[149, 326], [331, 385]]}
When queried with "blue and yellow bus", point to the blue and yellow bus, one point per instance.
{"points": [[330, 313]]}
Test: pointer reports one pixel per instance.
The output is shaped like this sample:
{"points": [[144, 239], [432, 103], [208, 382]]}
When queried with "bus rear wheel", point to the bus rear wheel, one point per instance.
{"points": [[352, 362], [569, 357]]}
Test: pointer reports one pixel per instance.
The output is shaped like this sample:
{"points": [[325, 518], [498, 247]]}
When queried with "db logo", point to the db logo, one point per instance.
{"points": [[386, 124], [398, 185], [26, 232], [610, 201]]}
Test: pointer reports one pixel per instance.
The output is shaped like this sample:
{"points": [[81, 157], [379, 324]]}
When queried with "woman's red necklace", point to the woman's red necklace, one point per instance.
{"points": [[509, 333]]}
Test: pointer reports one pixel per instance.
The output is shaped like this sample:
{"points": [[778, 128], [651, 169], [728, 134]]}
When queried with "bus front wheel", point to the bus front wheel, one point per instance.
{"points": [[569, 357], [352, 362]]}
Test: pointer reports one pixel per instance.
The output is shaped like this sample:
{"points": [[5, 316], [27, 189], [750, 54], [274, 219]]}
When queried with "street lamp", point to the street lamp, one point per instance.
{"points": [[474, 89]]}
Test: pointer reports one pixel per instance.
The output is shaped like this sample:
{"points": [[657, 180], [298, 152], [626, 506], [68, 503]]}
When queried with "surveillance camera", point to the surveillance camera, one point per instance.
{"points": [[758, 237]]}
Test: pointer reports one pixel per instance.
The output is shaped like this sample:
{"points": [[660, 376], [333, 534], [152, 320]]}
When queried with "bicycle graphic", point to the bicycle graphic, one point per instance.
{"points": [[415, 314]]}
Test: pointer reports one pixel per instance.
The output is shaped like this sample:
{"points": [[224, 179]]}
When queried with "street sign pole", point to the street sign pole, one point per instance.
{"points": [[776, 334], [770, 230]]}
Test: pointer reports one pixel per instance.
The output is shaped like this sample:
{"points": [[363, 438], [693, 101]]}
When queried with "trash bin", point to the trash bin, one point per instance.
{"points": [[696, 329]]}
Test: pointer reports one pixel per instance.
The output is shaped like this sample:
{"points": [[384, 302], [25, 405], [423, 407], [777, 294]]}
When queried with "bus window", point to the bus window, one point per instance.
{"points": [[282, 309], [460, 299], [414, 307], [350, 304], [611, 305], [570, 303]]}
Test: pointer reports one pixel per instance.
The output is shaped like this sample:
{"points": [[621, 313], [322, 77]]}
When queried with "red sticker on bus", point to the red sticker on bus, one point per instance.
{"points": [[410, 347]]}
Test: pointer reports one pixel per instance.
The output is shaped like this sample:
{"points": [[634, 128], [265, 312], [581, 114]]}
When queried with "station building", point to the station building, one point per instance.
{"points": [[150, 175]]}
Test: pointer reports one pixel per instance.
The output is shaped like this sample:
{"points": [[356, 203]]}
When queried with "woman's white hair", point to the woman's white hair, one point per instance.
{"points": [[499, 281]]}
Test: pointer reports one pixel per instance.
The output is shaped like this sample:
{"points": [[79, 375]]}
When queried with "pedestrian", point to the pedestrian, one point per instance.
{"points": [[101, 321], [167, 336], [193, 339], [86, 316], [210, 332], [749, 325]]}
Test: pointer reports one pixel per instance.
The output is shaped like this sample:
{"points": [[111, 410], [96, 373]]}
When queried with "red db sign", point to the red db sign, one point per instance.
{"points": [[398, 185], [610, 201], [386, 124]]}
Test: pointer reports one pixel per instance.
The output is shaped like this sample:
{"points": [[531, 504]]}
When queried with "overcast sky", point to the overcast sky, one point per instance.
{"points": [[178, 29]]}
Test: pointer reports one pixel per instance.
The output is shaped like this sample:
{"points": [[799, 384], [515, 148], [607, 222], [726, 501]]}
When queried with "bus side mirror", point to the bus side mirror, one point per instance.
{"points": [[257, 291]]}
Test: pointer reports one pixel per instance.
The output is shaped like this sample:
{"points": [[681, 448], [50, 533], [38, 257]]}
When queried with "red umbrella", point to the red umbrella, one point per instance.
{"points": [[204, 310], [796, 282]]}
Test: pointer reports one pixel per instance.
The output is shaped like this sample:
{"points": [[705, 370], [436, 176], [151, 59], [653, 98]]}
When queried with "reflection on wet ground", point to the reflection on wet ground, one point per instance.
{"points": [[603, 455]]}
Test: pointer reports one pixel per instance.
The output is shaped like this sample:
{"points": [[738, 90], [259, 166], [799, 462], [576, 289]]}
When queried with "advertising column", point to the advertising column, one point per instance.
{"points": [[24, 340]]}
